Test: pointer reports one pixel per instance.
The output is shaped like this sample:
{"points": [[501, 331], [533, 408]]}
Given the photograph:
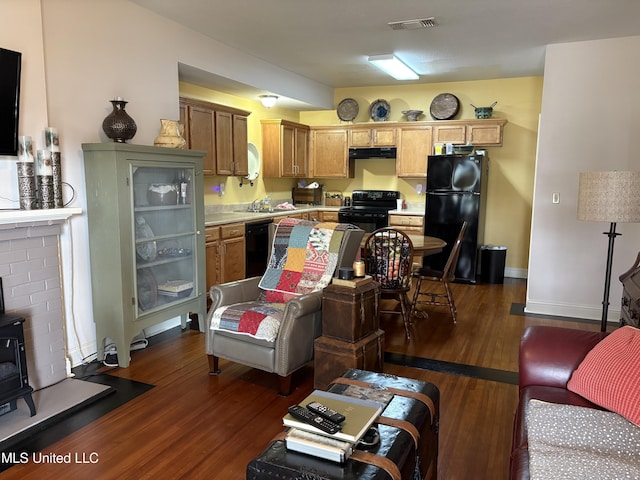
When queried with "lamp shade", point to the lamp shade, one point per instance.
{"points": [[609, 197]]}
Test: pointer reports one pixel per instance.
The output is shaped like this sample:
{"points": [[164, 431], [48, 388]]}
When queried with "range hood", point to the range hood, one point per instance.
{"points": [[384, 152]]}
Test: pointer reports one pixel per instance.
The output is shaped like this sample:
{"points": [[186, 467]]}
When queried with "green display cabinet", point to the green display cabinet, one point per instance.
{"points": [[145, 209]]}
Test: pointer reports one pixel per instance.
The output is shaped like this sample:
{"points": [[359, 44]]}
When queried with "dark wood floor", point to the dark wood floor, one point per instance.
{"points": [[194, 426]]}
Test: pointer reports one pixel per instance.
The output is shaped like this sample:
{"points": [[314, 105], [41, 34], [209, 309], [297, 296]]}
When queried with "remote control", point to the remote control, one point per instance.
{"points": [[326, 412], [317, 421]]}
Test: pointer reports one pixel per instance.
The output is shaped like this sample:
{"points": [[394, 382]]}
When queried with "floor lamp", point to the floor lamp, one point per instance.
{"points": [[609, 197]]}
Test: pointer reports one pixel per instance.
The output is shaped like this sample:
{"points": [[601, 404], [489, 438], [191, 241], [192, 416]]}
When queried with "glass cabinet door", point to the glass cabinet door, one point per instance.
{"points": [[164, 226]]}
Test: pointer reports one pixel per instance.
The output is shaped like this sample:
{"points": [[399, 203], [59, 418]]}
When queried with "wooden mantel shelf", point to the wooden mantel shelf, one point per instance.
{"points": [[17, 217]]}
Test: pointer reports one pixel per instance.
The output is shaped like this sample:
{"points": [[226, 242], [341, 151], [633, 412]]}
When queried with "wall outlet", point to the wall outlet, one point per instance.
{"points": [[555, 197]]}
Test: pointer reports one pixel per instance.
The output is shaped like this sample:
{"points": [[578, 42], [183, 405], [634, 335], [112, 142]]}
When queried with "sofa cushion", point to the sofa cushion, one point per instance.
{"points": [[546, 394], [570, 442], [609, 375]]}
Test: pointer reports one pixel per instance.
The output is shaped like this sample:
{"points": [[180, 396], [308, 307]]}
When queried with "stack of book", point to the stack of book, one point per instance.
{"points": [[360, 409], [176, 288]]}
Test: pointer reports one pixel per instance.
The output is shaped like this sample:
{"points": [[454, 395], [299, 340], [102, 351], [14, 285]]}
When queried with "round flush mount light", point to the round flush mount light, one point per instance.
{"points": [[268, 101]]}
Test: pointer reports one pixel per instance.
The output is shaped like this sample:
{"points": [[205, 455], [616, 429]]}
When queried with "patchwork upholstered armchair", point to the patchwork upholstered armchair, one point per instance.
{"points": [[270, 322]]}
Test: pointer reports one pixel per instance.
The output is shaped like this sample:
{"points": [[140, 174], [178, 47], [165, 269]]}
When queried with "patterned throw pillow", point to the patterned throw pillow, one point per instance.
{"points": [[609, 375]]}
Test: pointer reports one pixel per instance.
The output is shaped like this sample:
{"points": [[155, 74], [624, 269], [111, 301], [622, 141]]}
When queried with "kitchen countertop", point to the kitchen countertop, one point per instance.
{"points": [[220, 218], [407, 211]]}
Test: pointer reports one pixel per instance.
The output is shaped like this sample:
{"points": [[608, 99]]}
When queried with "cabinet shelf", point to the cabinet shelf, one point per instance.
{"points": [[164, 261]]}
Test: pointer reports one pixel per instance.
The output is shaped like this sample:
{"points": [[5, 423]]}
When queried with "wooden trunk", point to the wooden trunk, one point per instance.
{"points": [[414, 402], [350, 314], [333, 357]]}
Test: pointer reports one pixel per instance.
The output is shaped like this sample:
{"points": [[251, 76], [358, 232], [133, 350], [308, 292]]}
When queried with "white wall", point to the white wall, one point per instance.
{"points": [[22, 32], [590, 121]]}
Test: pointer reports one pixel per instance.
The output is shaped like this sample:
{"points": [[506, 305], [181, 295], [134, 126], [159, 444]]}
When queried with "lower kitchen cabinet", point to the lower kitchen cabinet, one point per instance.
{"points": [[412, 224], [225, 250]]}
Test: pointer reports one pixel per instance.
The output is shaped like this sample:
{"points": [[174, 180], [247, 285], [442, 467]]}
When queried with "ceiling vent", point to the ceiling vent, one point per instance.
{"points": [[413, 24]]}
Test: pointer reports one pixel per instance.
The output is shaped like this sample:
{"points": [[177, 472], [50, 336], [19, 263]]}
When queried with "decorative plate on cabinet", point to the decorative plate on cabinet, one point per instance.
{"points": [[444, 106], [253, 156], [147, 251], [348, 110], [147, 289], [380, 110]]}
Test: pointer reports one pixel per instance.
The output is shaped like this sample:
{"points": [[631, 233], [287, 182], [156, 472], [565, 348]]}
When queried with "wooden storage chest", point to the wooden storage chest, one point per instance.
{"points": [[350, 314], [333, 357], [408, 430]]}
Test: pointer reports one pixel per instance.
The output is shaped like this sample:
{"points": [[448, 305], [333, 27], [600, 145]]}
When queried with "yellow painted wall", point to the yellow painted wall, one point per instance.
{"points": [[510, 190], [512, 166]]}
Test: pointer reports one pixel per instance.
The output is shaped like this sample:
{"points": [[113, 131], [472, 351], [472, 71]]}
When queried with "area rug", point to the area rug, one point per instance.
{"points": [[64, 397]]}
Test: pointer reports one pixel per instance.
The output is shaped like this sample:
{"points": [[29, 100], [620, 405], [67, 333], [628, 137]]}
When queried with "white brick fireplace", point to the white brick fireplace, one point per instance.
{"points": [[30, 267]]}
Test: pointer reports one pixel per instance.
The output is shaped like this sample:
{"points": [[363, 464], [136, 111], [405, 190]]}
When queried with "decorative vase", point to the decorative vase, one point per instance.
{"points": [[171, 134], [118, 125]]}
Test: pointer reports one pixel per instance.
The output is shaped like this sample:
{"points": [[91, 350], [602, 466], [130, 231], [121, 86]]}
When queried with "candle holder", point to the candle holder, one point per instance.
{"points": [[56, 169], [27, 190], [46, 195]]}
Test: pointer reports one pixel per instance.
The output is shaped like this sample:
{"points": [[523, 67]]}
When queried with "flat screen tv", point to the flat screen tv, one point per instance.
{"points": [[10, 64]]}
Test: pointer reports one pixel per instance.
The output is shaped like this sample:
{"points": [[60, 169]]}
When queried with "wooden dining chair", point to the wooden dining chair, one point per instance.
{"points": [[388, 257], [439, 291]]}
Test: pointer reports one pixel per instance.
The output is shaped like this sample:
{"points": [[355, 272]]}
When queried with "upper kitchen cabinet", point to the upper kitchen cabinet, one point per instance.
{"points": [[450, 133], [219, 130], [285, 149], [485, 132], [330, 153], [415, 144], [379, 136]]}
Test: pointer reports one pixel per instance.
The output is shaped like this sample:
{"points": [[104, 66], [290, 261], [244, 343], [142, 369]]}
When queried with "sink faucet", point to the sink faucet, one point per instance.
{"points": [[254, 206]]}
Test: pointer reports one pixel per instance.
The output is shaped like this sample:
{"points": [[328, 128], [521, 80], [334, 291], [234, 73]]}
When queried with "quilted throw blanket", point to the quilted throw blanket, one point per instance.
{"points": [[569, 442], [303, 259], [257, 319]]}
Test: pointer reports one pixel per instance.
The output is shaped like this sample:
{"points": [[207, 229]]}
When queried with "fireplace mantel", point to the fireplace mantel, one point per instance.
{"points": [[17, 217]]}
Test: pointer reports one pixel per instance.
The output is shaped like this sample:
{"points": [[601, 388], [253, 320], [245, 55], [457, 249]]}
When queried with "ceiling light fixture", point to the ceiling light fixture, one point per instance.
{"points": [[268, 101], [393, 66]]}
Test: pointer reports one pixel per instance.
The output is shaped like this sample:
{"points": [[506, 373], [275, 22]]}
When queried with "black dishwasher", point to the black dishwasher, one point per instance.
{"points": [[257, 247]]}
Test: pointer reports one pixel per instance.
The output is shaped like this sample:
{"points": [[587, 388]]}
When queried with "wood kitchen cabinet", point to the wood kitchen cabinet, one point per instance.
{"points": [[412, 224], [330, 153], [232, 252], [485, 132], [285, 149], [329, 216], [219, 130], [372, 136], [147, 252], [225, 254], [456, 134], [231, 144], [414, 146], [212, 247]]}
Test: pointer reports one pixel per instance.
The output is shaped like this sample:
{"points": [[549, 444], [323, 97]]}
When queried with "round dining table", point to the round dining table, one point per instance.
{"points": [[422, 245]]}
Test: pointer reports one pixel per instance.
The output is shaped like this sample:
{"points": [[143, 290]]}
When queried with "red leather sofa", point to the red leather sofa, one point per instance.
{"points": [[548, 357]]}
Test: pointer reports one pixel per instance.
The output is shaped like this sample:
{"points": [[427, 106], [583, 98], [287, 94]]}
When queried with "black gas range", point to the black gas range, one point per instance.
{"points": [[369, 209]]}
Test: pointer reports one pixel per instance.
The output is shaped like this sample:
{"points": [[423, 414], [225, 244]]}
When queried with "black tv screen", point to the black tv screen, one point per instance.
{"points": [[10, 63]]}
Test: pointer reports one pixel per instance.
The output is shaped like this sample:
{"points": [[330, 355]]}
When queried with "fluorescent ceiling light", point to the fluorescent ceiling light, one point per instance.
{"points": [[394, 67], [268, 101]]}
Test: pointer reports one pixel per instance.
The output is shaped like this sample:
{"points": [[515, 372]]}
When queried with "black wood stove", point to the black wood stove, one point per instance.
{"points": [[14, 380]]}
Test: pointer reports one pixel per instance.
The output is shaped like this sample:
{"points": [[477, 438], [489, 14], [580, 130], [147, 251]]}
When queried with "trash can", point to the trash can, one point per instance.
{"points": [[492, 261]]}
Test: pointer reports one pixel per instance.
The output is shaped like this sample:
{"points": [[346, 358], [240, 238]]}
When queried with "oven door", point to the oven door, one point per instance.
{"points": [[367, 221]]}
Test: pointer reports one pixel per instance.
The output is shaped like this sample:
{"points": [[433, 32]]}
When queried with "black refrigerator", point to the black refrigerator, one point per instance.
{"points": [[456, 191]]}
